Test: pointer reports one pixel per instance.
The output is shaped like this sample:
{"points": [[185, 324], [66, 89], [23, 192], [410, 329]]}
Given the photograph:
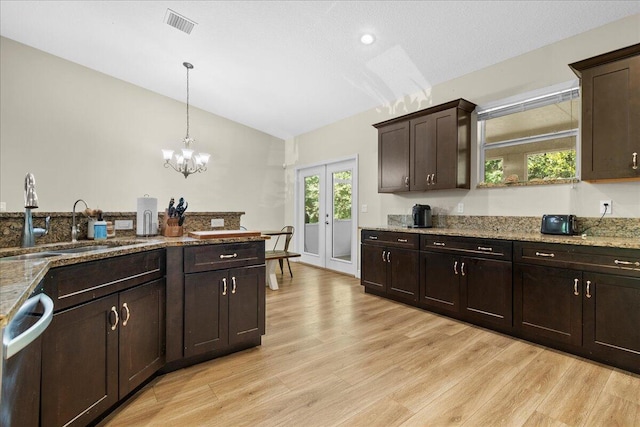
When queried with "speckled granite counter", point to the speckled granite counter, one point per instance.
{"points": [[610, 242], [18, 278]]}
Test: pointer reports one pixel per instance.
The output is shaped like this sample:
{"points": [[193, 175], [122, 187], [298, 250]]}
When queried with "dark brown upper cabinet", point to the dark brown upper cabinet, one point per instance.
{"points": [[610, 115], [426, 150]]}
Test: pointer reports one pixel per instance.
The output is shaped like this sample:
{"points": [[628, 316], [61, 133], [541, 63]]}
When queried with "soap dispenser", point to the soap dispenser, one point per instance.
{"points": [[100, 228]]}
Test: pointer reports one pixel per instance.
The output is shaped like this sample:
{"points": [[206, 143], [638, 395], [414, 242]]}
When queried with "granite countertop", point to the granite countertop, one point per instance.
{"points": [[609, 242], [19, 278]]}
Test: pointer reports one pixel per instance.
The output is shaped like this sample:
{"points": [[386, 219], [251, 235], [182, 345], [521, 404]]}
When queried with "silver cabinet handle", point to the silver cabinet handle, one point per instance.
{"points": [[403, 240], [588, 294], [438, 244], [635, 161], [125, 321], [406, 181], [373, 237], [618, 262], [575, 287], [114, 311], [224, 286], [455, 267], [15, 344], [433, 178], [545, 255], [228, 256], [389, 256], [462, 269], [233, 285], [384, 254], [482, 248], [428, 179]]}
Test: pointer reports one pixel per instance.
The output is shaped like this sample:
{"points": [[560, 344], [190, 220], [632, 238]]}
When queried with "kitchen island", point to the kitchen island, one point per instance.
{"points": [[125, 310]]}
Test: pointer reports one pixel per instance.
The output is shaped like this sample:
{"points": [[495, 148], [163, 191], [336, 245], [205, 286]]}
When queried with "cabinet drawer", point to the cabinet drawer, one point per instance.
{"points": [[87, 281], [484, 248], [391, 238], [216, 257], [610, 260]]}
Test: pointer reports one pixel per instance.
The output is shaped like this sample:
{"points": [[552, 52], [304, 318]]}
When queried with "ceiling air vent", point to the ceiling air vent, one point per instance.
{"points": [[178, 21]]}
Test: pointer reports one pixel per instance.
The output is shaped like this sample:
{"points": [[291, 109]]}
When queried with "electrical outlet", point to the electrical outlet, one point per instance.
{"points": [[123, 224], [460, 207], [364, 208], [217, 222], [606, 206]]}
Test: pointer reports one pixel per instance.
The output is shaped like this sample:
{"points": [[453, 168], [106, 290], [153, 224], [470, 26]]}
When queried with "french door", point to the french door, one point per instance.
{"points": [[326, 215]]}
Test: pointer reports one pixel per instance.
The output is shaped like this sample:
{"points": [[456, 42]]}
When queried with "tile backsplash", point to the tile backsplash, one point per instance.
{"points": [[607, 227], [11, 224]]}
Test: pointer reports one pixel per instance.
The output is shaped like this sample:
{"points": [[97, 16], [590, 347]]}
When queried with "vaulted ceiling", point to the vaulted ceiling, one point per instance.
{"points": [[289, 67]]}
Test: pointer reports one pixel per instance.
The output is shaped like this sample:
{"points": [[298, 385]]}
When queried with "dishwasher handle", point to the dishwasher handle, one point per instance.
{"points": [[14, 345]]}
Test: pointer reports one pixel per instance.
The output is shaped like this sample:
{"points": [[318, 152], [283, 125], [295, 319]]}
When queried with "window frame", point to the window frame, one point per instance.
{"points": [[527, 101]]}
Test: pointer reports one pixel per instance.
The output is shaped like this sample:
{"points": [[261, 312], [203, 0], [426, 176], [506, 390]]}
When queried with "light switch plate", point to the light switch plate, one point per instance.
{"points": [[123, 224], [217, 222]]}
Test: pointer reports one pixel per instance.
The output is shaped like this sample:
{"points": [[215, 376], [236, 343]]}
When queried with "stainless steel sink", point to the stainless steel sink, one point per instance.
{"points": [[32, 256], [80, 249]]}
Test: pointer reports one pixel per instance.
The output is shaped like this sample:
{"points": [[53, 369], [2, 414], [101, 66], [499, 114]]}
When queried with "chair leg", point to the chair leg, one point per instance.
{"points": [[289, 265], [281, 265]]}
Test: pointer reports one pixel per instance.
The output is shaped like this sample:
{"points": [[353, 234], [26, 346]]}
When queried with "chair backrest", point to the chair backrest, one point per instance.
{"points": [[289, 229], [287, 240]]}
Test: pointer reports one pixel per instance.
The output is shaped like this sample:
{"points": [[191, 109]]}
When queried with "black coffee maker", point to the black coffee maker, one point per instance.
{"points": [[421, 216]]}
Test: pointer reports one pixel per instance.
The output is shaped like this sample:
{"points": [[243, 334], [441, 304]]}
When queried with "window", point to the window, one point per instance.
{"points": [[530, 139]]}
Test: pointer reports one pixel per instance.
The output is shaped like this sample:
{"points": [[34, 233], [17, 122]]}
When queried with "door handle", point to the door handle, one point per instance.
{"points": [[455, 267], [588, 294], [224, 286], [635, 161], [462, 269], [384, 253], [389, 256], [125, 321], [575, 287], [233, 285], [115, 312], [15, 344]]}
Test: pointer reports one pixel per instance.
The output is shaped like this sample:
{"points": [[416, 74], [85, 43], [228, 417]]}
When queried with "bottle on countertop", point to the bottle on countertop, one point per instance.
{"points": [[100, 228]]}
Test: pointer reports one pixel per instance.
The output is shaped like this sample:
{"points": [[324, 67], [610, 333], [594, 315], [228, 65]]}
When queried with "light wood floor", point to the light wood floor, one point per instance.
{"points": [[334, 356]]}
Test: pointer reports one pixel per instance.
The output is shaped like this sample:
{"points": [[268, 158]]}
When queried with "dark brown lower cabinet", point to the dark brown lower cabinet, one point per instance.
{"points": [[611, 316], [392, 271], [580, 299], [440, 285], [477, 288], [223, 309], [95, 353], [79, 364], [548, 303]]}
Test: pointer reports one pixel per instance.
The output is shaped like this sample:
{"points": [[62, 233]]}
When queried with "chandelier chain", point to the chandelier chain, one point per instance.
{"points": [[187, 102]]}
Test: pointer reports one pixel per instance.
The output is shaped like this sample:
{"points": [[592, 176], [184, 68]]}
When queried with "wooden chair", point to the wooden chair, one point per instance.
{"points": [[289, 229]]}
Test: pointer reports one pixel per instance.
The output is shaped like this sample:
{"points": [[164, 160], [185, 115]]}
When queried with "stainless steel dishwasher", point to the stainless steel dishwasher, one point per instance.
{"points": [[20, 365]]}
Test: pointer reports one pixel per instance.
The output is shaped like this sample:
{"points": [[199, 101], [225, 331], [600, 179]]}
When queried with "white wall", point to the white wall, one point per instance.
{"points": [[87, 135], [537, 69]]}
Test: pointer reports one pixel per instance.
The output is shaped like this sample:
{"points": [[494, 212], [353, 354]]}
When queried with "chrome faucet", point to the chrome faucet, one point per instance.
{"points": [[29, 233], [74, 227]]}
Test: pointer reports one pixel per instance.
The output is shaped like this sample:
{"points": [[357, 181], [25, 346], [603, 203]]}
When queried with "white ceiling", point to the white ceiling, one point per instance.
{"points": [[289, 67]]}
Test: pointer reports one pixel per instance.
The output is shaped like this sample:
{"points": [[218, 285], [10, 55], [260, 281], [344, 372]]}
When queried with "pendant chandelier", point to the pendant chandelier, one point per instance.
{"points": [[186, 161]]}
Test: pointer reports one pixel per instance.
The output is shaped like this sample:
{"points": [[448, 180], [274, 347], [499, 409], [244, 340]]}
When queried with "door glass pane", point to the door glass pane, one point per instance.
{"points": [[342, 203], [311, 213]]}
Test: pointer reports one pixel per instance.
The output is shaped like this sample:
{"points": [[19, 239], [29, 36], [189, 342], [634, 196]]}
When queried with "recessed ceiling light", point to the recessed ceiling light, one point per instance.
{"points": [[367, 39]]}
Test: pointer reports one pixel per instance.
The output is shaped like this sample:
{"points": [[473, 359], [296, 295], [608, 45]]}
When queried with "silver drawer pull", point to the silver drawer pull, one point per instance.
{"points": [[438, 244], [115, 312], [618, 262], [228, 256], [482, 248], [373, 237], [543, 254], [402, 240]]}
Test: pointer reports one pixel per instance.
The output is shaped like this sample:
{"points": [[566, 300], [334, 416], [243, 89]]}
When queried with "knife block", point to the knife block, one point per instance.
{"points": [[170, 227]]}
